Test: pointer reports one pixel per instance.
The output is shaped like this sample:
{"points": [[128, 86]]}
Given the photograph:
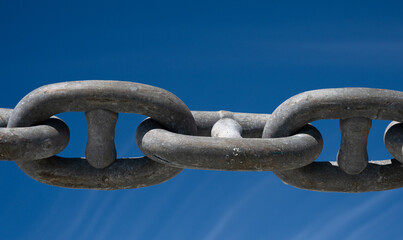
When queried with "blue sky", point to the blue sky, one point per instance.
{"points": [[227, 55]]}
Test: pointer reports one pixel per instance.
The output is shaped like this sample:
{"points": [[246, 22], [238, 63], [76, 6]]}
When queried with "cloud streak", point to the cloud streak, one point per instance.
{"points": [[324, 229], [233, 209], [364, 232]]}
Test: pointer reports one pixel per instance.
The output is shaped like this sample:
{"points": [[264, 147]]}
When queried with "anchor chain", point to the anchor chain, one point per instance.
{"points": [[173, 137]]}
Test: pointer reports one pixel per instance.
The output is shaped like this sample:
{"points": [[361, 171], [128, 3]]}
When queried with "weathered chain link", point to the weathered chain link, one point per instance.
{"points": [[229, 153], [355, 107], [27, 143], [174, 138], [101, 100]]}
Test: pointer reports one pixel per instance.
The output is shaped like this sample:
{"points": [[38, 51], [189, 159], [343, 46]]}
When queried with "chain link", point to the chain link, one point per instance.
{"points": [[173, 137], [101, 100], [36, 142], [355, 107], [394, 140], [223, 153]]}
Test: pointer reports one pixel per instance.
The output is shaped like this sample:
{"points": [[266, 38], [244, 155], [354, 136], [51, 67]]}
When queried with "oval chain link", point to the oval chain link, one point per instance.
{"points": [[229, 153], [394, 140], [355, 107], [27, 143], [174, 138], [101, 100]]}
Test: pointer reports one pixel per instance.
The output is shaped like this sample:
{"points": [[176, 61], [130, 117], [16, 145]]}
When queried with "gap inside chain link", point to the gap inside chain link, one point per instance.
{"points": [[355, 106], [101, 100], [125, 134], [245, 152], [331, 140]]}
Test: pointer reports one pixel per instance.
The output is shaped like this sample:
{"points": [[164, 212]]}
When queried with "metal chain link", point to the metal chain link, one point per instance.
{"points": [[173, 137]]}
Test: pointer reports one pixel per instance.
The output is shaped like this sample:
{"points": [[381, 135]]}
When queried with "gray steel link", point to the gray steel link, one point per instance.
{"points": [[328, 177], [113, 96], [352, 157], [26, 143], [252, 124], [342, 104], [234, 154], [227, 128], [4, 116], [174, 138], [101, 137], [338, 103], [394, 140], [124, 173]]}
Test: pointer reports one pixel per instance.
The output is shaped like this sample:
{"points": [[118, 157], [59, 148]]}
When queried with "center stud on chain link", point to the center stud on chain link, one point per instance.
{"points": [[352, 157], [227, 128], [355, 107], [228, 150], [101, 100], [101, 151], [224, 141]]}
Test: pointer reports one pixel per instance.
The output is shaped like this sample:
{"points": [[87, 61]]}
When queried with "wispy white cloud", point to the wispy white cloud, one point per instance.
{"points": [[225, 219], [83, 213], [146, 214], [185, 205], [115, 211], [322, 228], [96, 221], [364, 232], [345, 218], [50, 217]]}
